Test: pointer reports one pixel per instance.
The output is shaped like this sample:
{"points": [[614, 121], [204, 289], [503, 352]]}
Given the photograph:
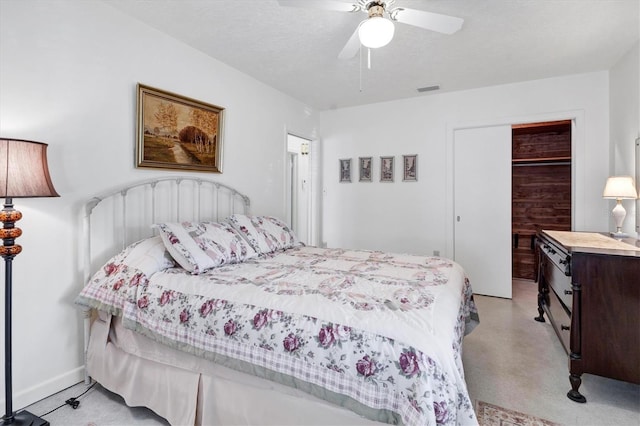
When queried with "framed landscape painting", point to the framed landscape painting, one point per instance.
{"points": [[175, 132]]}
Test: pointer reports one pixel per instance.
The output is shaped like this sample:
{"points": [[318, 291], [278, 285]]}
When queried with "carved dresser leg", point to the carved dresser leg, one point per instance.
{"points": [[573, 394], [540, 317]]}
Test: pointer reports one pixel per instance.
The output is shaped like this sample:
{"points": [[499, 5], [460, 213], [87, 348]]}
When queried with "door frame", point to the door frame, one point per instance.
{"points": [[638, 186], [578, 172], [314, 180], [292, 193]]}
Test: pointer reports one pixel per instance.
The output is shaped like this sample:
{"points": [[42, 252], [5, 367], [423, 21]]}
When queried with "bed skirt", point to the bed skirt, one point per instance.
{"points": [[186, 390]]}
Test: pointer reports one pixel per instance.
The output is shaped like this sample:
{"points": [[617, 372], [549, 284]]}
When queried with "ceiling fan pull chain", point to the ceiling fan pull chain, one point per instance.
{"points": [[360, 65], [368, 58]]}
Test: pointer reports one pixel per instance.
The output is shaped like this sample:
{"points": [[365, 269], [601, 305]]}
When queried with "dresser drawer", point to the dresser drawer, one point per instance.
{"points": [[557, 255], [560, 320], [553, 267]]}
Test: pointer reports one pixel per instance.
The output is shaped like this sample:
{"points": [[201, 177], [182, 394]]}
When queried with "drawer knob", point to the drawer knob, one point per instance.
{"points": [[568, 292], [564, 327]]}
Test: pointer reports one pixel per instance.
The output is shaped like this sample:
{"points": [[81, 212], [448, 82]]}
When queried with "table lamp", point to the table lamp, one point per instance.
{"points": [[619, 188]]}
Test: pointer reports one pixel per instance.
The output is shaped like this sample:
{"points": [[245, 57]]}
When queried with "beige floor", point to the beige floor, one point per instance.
{"points": [[510, 360], [515, 362]]}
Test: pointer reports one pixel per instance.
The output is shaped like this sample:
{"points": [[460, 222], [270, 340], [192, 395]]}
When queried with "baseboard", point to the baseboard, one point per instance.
{"points": [[40, 391]]}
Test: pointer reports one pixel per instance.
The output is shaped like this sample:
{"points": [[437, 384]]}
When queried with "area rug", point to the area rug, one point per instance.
{"points": [[492, 415]]}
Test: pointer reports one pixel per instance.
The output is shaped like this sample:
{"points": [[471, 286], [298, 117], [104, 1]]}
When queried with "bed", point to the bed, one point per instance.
{"points": [[209, 315]]}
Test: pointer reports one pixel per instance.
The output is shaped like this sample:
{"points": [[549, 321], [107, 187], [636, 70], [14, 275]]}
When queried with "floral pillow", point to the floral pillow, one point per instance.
{"points": [[115, 284], [200, 246], [266, 234]]}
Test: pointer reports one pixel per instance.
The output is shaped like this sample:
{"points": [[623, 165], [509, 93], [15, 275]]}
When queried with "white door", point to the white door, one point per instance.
{"points": [[482, 207]]}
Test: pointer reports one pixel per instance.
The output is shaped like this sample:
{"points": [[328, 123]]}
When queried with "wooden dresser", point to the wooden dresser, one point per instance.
{"points": [[589, 288]]}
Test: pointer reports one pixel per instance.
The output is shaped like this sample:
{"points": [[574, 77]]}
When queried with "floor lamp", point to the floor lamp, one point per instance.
{"points": [[23, 174]]}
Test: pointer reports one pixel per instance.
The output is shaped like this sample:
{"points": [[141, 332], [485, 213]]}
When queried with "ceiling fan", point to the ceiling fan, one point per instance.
{"points": [[377, 30]]}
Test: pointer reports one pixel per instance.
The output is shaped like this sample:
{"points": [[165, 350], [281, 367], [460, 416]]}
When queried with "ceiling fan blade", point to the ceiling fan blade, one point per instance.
{"points": [[351, 48], [337, 6], [427, 20]]}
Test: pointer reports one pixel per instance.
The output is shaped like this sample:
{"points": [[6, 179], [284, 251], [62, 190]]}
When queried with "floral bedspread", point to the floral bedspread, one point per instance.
{"points": [[376, 332]]}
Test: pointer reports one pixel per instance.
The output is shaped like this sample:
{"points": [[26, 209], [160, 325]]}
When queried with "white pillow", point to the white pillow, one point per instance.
{"points": [[266, 234], [115, 284], [200, 246]]}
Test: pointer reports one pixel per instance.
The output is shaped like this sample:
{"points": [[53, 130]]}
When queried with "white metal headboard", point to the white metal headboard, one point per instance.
{"points": [[117, 218]]}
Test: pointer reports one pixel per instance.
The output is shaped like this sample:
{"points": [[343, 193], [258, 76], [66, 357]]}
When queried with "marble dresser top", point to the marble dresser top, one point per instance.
{"points": [[590, 240]]}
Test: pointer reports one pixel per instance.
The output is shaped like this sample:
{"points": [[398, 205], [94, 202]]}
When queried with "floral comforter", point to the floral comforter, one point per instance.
{"points": [[378, 333]]}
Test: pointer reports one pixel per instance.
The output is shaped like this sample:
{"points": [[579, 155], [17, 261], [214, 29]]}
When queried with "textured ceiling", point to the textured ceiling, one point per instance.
{"points": [[295, 50]]}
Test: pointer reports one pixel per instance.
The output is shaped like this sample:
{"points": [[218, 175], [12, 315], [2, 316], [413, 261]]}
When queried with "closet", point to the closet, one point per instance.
{"points": [[541, 188]]}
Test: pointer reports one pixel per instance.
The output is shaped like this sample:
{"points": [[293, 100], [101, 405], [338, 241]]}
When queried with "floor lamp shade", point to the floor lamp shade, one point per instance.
{"points": [[24, 173]]}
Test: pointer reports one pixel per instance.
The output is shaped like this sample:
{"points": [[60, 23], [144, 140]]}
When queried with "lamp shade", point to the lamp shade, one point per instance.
{"points": [[24, 172], [376, 32], [619, 187]]}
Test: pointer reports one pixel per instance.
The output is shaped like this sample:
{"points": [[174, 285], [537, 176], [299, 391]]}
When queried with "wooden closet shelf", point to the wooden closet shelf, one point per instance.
{"points": [[542, 160]]}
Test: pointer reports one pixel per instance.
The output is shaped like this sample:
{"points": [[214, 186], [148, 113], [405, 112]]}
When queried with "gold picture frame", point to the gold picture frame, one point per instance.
{"points": [[176, 132]]}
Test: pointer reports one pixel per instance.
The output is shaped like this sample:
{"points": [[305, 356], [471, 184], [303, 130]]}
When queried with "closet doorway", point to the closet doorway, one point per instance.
{"points": [[541, 188], [298, 187]]}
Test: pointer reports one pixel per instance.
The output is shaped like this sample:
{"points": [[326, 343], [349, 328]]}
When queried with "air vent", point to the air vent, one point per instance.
{"points": [[429, 88]]}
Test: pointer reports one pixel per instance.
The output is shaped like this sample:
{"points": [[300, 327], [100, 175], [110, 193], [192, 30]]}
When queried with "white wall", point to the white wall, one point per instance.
{"points": [[414, 216], [624, 89], [68, 74]]}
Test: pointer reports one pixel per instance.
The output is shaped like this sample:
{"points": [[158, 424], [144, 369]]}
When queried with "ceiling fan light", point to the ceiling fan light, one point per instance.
{"points": [[376, 32]]}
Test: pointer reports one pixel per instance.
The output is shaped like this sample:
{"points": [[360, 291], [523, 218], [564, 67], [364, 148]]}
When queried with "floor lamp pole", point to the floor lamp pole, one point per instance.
{"points": [[8, 260], [9, 216]]}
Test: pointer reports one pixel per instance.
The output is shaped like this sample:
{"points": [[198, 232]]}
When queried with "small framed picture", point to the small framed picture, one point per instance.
{"points": [[365, 169], [386, 169], [345, 170], [410, 168]]}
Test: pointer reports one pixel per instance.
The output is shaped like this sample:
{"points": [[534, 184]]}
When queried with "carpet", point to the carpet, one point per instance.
{"points": [[492, 415]]}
